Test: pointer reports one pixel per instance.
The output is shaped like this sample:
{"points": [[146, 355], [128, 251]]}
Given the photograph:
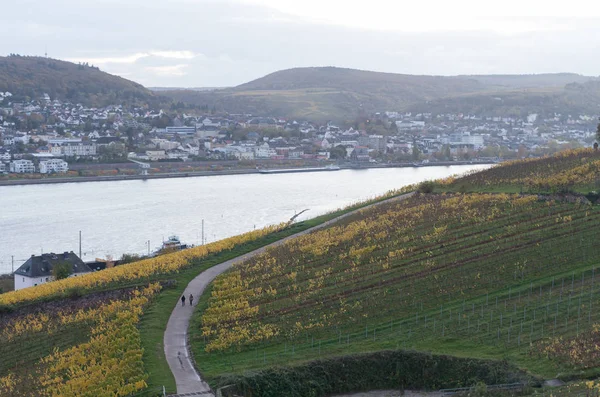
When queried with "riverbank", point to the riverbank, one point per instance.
{"points": [[166, 175]]}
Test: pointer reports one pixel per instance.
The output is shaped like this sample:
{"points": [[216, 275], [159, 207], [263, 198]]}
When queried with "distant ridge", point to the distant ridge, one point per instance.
{"points": [[161, 89], [531, 80], [31, 77], [324, 93], [313, 93]]}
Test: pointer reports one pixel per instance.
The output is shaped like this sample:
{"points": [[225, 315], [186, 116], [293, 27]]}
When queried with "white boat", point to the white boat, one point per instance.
{"points": [[172, 244], [330, 167]]}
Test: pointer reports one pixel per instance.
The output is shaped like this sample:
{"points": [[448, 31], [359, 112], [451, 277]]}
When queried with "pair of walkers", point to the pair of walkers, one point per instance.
{"points": [[191, 300]]}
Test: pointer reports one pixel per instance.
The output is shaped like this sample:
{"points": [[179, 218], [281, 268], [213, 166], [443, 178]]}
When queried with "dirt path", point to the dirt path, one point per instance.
{"points": [[175, 338]]}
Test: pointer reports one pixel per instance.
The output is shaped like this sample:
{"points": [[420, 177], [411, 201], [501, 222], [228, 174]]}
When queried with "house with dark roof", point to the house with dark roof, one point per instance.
{"points": [[107, 140], [38, 269]]}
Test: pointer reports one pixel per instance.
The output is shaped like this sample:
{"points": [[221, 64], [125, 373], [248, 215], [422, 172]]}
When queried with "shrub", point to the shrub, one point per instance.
{"points": [[426, 187], [363, 372]]}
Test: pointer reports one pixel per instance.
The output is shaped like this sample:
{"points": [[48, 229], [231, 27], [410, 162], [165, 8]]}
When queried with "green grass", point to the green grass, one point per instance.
{"points": [[440, 297]]}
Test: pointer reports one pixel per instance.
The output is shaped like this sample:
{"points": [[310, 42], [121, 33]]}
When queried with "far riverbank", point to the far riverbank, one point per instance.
{"points": [[233, 171]]}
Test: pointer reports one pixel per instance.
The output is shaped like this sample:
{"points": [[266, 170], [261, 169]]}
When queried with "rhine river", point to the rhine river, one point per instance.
{"points": [[131, 216]]}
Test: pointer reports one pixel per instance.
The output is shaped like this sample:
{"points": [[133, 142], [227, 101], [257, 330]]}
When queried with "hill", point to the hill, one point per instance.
{"points": [[571, 99], [567, 172], [530, 80], [322, 93], [31, 77], [481, 275], [378, 299]]}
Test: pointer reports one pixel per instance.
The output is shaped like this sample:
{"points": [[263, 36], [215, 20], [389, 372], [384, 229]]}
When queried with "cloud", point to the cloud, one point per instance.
{"points": [[174, 54], [172, 70], [133, 58]]}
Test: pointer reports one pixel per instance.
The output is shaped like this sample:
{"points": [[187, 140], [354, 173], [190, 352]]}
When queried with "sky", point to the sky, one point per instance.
{"points": [[219, 43]]}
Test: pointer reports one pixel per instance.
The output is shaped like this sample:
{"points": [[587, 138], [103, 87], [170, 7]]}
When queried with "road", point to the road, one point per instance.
{"points": [[176, 334]]}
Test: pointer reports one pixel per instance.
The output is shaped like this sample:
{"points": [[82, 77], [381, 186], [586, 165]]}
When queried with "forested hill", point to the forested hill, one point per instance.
{"points": [[33, 76]]}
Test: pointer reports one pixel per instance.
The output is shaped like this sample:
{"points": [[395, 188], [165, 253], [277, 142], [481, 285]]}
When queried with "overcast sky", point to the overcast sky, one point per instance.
{"points": [[215, 43]]}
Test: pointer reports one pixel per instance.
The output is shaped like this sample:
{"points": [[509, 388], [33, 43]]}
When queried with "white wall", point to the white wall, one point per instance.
{"points": [[25, 282]]}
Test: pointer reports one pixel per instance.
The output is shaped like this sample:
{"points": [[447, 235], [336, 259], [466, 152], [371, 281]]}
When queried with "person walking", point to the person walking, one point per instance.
{"points": [[183, 300], [191, 300]]}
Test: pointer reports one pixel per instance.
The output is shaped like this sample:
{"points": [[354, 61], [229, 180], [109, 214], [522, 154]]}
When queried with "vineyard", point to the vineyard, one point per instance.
{"points": [[475, 275], [89, 347], [82, 336], [565, 172], [101, 334], [479, 275]]}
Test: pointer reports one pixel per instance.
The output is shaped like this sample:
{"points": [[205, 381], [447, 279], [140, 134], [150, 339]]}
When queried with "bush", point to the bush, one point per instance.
{"points": [[426, 187], [371, 371]]}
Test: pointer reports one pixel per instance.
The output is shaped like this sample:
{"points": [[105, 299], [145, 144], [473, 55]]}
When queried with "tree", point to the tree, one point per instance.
{"points": [[61, 270], [128, 258], [338, 152], [416, 153], [598, 133]]}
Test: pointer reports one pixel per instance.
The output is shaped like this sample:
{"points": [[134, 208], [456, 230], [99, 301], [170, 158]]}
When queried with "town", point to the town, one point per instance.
{"points": [[49, 137]]}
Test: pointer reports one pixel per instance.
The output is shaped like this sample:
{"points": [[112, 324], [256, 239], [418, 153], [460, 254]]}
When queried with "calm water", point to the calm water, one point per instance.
{"points": [[121, 217]]}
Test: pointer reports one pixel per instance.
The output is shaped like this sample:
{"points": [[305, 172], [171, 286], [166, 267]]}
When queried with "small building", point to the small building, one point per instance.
{"points": [[360, 154], [78, 149], [180, 130], [22, 167], [107, 141], [53, 166], [38, 269], [154, 155]]}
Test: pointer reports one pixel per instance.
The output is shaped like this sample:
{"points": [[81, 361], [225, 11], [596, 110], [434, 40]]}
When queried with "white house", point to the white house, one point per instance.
{"points": [[154, 155], [54, 165], [8, 140], [79, 149], [264, 151], [38, 269], [22, 167], [177, 154]]}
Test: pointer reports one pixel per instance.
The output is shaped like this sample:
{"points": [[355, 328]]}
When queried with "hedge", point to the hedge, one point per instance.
{"points": [[371, 371]]}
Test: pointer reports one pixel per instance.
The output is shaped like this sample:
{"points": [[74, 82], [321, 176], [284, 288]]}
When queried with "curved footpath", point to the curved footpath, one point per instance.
{"points": [[175, 339]]}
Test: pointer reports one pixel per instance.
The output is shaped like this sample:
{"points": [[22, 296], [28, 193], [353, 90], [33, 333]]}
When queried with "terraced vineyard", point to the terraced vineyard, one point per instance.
{"points": [[565, 172], [476, 275], [101, 334], [481, 275], [91, 347]]}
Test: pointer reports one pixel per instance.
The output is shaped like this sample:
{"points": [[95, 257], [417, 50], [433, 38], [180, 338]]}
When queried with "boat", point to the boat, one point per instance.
{"points": [[330, 167], [172, 244]]}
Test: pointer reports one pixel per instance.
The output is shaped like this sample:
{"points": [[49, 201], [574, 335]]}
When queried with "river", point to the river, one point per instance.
{"points": [[123, 216]]}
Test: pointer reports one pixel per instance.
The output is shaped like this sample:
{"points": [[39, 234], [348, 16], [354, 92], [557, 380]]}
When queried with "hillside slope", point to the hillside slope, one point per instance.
{"points": [[33, 76], [475, 275], [530, 80], [571, 99], [322, 93]]}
